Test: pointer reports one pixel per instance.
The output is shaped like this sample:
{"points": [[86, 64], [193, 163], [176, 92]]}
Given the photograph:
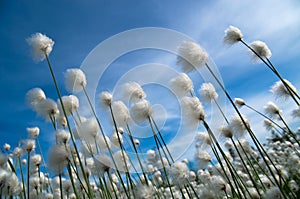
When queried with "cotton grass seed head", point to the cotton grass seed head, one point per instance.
{"points": [[34, 96], [47, 108], [272, 109], [106, 99], [75, 80], [192, 110], [182, 85], [191, 56], [238, 127], [239, 102], [208, 92], [261, 49], [121, 113], [133, 91], [71, 104], [280, 91], [141, 111], [232, 35], [41, 45], [33, 132], [58, 159]]}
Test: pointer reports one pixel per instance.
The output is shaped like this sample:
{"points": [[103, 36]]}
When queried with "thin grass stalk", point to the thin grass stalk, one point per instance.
{"points": [[22, 177], [136, 152], [252, 166], [221, 111], [256, 111], [252, 135], [68, 123], [224, 170], [60, 186], [28, 163], [246, 168], [292, 92], [229, 165], [106, 143], [156, 142], [290, 131], [121, 146], [161, 137], [272, 68]]}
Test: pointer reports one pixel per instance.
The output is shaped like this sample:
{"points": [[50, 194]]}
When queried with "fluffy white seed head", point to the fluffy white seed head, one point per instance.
{"points": [[192, 110], [238, 127], [18, 152], [232, 35], [71, 104], [141, 111], [261, 49], [202, 158], [272, 109], [62, 136], [144, 191], [41, 45], [48, 109], [33, 132], [239, 102], [268, 124], [182, 85], [191, 56], [28, 145], [88, 130], [208, 92], [180, 173], [280, 91], [75, 80], [58, 159], [6, 146], [121, 113], [116, 138], [106, 98], [122, 160], [103, 162], [133, 91], [226, 131], [34, 96]]}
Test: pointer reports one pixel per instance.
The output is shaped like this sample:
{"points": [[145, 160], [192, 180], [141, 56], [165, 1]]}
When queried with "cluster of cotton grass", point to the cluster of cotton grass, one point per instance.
{"points": [[86, 162]]}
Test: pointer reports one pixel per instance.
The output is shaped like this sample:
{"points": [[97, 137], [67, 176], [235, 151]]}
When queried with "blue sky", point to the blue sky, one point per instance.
{"points": [[77, 27]]}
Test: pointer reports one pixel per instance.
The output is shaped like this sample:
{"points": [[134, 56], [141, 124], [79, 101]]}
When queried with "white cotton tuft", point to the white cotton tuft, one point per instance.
{"points": [[191, 56], [180, 173], [106, 99], [116, 138], [121, 113], [202, 158], [280, 91], [103, 162], [88, 130], [192, 110], [28, 145], [272, 109], [232, 35], [133, 91], [144, 191], [261, 49], [41, 45], [238, 127], [208, 92], [182, 85], [75, 80], [62, 136], [141, 111], [34, 96], [58, 159], [71, 104], [33, 132], [48, 109], [122, 160], [239, 102]]}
